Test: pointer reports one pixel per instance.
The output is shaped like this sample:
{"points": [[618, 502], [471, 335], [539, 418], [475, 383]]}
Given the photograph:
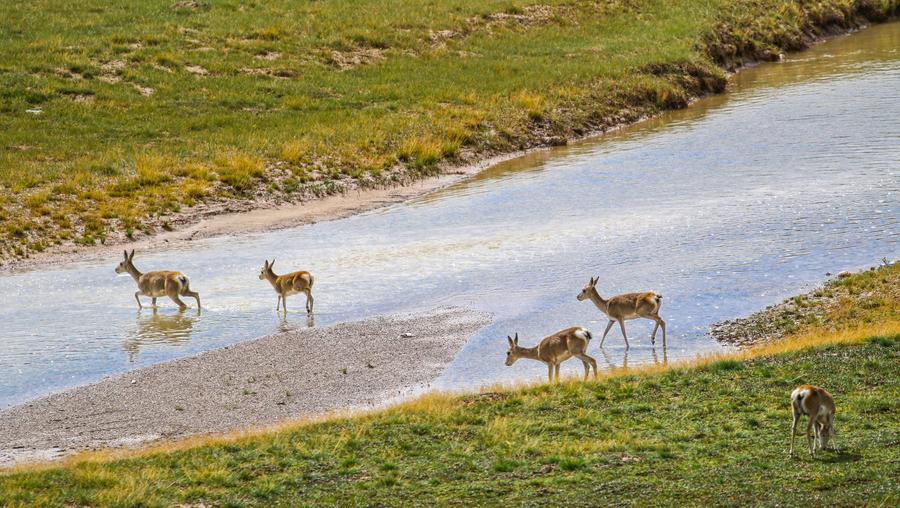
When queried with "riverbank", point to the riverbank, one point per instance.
{"points": [[637, 437], [299, 374], [581, 70], [869, 296]]}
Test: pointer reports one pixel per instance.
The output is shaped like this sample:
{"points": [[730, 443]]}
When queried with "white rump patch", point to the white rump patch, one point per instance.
{"points": [[582, 334], [799, 394]]}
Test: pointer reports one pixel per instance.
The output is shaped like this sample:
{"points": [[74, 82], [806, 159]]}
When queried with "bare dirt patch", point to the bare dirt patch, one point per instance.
{"points": [[348, 59], [110, 71], [146, 91], [269, 55], [190, 5], [266, 71], [196, 70]]}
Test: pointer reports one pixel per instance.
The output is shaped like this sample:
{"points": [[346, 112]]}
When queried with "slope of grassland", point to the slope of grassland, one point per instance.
{"points": [[839, 303], [714, 432], [116, 117]]}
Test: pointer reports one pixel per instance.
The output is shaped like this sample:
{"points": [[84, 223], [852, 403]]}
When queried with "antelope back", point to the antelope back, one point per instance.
{"points": [[813, 400], [633, 304], [563, 343], [298, 281], [162, 282]]}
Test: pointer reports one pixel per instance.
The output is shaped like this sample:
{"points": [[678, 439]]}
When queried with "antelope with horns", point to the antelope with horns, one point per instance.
{"points": [[624, 307], [554, 350], [156, 284], [289, 284], [818, 405]]}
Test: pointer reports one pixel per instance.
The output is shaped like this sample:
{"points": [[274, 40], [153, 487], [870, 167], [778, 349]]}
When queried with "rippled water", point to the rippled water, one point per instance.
{"points": [[725, 207]]}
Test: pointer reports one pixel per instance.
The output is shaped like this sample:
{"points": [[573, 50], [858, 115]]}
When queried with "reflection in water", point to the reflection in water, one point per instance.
{"points": [[609, 356], [284, 325], [155, 328], [724, 207]]}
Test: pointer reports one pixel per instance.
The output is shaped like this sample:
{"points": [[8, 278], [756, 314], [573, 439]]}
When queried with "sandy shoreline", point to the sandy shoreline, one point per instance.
{"points": [[301, 373]]}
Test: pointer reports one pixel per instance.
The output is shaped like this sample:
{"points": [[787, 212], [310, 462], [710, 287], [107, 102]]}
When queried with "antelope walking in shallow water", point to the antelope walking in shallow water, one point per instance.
{"points": [[156, 284], [289, 284], [554, 350], [624, 307], [818, 405]]}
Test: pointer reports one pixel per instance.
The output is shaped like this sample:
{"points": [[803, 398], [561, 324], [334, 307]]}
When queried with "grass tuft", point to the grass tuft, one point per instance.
{"points": [[239, 171]]}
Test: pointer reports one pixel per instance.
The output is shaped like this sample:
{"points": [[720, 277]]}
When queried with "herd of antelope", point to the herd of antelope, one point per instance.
{"points": [[811, 401]]}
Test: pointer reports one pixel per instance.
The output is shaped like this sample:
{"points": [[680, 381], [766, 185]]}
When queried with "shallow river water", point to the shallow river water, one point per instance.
{"points": [[725, 207]]}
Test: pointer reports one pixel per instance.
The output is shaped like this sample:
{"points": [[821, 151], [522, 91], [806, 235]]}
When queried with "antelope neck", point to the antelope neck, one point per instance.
{"points": [[597, 299], [529, 352], [135, 274]]}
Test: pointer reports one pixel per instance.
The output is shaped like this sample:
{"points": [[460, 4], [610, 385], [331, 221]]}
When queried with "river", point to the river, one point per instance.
{"points": [[725, 207]]}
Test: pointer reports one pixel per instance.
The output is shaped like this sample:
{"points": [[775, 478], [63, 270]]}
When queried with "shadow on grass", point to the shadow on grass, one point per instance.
{"points": [[840, 457]]}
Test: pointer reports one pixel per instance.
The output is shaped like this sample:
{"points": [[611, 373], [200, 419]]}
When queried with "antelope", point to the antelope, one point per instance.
{"points": [[818, 405], [624, 307], [289, 284], [555, 349], [156, 284]]}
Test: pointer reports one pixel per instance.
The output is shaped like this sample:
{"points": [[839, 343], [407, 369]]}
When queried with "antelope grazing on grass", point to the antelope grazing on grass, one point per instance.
{"points": [[289, 284], [156, 284], [554, 350], [818, 405], [624, 307]]}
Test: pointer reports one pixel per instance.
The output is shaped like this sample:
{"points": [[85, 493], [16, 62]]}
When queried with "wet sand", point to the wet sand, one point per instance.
{"points": [[304, 373]]}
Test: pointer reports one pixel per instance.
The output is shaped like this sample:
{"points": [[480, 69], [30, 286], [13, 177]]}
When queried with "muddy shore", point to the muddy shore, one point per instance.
{"points": [[304, 373]]}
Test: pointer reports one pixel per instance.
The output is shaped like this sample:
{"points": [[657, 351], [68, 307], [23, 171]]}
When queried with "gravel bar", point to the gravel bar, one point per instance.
{"points": [[308, 372]]}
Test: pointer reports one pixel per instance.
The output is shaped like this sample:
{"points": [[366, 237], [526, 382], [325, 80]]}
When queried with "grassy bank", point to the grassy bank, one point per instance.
{"points": [[714, 432], [119, 116], [872, 296]]}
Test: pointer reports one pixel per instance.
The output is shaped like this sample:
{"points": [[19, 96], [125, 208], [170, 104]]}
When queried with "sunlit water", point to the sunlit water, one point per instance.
{"points": [[728, 206]]}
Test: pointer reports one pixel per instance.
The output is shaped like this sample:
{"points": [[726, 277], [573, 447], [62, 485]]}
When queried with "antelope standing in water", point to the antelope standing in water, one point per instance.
{"points": [[624, 307], [289, 284], [156, 284], [818, 405], [554, 350]]}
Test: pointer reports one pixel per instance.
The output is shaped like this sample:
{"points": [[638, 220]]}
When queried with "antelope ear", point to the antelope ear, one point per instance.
{"points": [[126, 254], [265, 263], [272, 263], [594, 280], [509, 339], [516, 340], [131, 256]]}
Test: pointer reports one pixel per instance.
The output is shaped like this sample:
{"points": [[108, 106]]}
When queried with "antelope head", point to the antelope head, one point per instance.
{"points": [[514, 352], [588, 289], [266, 270], [126, 263]]}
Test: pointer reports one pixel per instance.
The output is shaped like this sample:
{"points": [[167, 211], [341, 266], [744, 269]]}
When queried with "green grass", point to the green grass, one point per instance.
{"points": [[287, 99], [711, 432]]}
